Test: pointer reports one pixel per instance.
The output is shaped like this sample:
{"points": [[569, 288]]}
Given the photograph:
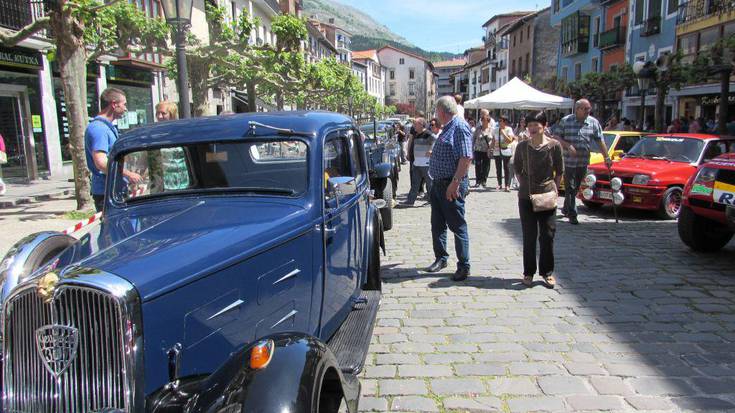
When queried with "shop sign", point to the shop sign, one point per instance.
{"points": [[37, 125], [18, 57], [129, 75], [714, 100]]}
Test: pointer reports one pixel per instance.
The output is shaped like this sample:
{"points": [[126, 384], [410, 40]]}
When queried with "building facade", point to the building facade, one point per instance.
{"points": [[534, 56], [444, 70], [33, 120], [700, 24], [375, 73], [317, 45], [340, 38], [651, 33], [579, 23], [497, 42], [410, 79]]}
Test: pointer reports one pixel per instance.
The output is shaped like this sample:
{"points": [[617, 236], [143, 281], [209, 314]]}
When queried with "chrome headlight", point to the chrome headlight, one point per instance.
{"points": [[590, 180], [618, 198], [616, 183], [588, 193], [641, 179]]}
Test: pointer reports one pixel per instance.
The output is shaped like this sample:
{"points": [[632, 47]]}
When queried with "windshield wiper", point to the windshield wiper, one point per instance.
{"points": [[632, 155], [281, 131], [265, 190], [657, 158]]}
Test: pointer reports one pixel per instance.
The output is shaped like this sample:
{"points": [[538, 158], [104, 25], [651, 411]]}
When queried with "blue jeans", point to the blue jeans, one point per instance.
{"points": [[573, 177], [450, 214]]}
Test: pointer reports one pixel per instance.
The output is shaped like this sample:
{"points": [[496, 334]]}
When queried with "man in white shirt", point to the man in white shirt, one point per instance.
{"points": [[419, 152]]}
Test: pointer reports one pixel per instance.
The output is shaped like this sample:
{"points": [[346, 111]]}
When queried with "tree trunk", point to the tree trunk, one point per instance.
{"points": [[72, 58], [724, 101], [251, 97], [199, 72], [660, 112]]}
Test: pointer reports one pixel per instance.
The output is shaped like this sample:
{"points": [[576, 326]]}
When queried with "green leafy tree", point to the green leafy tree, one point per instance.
{"points": [[716, 63], [675, 76], [82, 31]]}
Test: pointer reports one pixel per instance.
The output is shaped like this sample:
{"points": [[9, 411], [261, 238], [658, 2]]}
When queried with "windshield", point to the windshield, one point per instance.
{"points": [[273, 167], [368, 130], [609, 138], [670, 148]]}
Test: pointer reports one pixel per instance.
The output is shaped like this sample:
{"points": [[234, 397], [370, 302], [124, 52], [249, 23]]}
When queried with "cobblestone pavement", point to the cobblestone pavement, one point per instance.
{"points": [[637, 321]]}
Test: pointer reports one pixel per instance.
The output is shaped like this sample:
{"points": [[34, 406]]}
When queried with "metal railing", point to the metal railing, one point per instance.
{"points": [[16, 14], [575, 46], [612, 38], [697, 9], [651, 26]]}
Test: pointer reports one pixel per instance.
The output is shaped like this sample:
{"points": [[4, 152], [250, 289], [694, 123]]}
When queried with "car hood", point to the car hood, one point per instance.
{"points": [[632, 166], [160, 248]]}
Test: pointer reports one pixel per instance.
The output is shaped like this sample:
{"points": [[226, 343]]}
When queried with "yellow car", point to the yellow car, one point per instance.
{"points": [[618, 143]]}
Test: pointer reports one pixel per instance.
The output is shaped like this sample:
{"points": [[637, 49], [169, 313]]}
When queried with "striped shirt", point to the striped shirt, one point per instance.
{"points": [[455, 142], [580, 135]]}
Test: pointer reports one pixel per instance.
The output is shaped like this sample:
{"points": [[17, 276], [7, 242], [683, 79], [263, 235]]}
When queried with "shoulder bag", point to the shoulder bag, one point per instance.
{"points": [[504, 146], [545, 201]]}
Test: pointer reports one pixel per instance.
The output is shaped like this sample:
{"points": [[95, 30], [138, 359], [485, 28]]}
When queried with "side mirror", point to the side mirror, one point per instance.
{"points": [[341, 186]]}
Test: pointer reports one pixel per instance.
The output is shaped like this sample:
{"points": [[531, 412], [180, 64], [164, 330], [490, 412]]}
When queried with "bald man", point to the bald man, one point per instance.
{"points": [[576, 132]]}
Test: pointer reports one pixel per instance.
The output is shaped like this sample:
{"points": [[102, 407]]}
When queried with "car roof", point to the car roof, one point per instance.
{"points": [[623, 132], [702, 136], [228, 127]]}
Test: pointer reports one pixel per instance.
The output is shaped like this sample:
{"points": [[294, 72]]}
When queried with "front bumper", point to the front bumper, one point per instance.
{"points": [[645, 197]]}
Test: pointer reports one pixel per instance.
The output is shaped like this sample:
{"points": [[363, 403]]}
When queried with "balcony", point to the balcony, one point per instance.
{"points": [[16, 14], [651, 26], [612, 38], [274, 4], [699, 9], [575, 46]]}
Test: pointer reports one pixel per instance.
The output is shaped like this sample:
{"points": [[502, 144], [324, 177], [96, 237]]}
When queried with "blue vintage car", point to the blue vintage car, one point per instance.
{"points": [[240, 274], [382, 152]]}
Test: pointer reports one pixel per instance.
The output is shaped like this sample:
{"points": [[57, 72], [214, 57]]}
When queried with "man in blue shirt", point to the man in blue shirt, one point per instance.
{"points": [[450, 159], [99, 137]]}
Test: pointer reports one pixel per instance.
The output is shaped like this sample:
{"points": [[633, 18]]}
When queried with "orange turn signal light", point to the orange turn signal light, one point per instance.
{"points": [[261, 354]]}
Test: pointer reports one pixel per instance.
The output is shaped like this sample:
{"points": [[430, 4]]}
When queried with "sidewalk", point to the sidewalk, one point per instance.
{"points": [[42, 190]]}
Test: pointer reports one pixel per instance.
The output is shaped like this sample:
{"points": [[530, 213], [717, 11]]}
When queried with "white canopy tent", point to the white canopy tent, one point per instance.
{"points": [[516, 94]]}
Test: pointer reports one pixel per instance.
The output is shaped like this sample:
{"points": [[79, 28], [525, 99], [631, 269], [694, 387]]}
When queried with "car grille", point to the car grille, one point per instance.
{"points": [[606, 178], [95, 378]]}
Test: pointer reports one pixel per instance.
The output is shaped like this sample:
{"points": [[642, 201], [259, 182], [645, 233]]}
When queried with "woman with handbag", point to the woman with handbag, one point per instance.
{"points": [[502, 153], [536, 161], [3, 159]]}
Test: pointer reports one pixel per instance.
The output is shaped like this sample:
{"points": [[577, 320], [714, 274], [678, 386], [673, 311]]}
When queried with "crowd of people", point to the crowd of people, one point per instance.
{"points": [[532, 158]]}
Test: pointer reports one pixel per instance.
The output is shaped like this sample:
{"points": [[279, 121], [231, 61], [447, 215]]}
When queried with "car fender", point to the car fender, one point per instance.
{"points": [[383, 170], [291, 382], [15, 265], [373, 223]]}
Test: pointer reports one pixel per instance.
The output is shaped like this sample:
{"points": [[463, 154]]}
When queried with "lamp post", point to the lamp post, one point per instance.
{"points": [[644, 71], [178, 15]]}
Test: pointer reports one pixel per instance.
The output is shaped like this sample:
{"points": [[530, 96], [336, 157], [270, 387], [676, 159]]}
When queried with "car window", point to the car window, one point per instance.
{"points": [[608, 138], [673, 148], [714, 149], [356, 156], [268, 167], [626, 143]]}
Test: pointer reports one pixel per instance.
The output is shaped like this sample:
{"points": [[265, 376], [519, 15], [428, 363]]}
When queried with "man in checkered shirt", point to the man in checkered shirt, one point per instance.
{"points": [[448, 165], [575, 132]]}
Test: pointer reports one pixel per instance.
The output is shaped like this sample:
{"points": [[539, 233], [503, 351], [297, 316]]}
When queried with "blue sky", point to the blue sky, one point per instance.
{"points": [[440, 25]]}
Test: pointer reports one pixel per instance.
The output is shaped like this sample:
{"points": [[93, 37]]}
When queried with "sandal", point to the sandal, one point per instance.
{"points": [[527, 280], [549, 280]]}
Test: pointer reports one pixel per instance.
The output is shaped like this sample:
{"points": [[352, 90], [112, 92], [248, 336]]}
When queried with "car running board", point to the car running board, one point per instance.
{"points": [[350, 343]]}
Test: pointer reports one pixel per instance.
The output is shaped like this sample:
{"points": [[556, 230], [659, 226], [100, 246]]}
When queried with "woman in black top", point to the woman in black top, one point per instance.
{"points": [[539, 166]]}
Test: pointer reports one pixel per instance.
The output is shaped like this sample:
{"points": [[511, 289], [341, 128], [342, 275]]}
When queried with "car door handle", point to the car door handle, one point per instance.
{"points": [[330, 231]]}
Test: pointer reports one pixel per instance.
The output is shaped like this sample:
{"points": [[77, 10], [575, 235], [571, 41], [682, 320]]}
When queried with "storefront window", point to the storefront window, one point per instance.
{"points": [[709, 37], [9, 122], [140, 107], [92, 110]]}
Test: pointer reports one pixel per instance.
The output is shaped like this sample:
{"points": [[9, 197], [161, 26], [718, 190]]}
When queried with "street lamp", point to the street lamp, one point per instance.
{"points": [[644, 71], [178, 15]]}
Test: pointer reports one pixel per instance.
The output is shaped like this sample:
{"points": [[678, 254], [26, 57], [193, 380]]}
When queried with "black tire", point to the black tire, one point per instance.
{"points": [[373, 282], [700, 233], [387, 212], [670, 203], [47, 250], [592, 205]]}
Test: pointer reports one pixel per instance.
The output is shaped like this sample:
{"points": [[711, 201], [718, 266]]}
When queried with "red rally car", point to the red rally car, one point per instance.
{"points": [[652, 175], [707, 219]]}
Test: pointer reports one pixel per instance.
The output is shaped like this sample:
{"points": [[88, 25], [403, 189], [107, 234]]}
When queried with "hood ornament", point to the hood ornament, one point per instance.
{"points": [[57, 346], [46, 286]]}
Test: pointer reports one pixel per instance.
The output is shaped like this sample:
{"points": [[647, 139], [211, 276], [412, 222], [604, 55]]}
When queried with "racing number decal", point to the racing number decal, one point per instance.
{"points": [[724, 193]]}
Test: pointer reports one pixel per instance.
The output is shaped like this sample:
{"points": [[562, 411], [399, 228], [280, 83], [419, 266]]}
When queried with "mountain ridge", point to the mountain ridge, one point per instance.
{"points": [[366, 32]]}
